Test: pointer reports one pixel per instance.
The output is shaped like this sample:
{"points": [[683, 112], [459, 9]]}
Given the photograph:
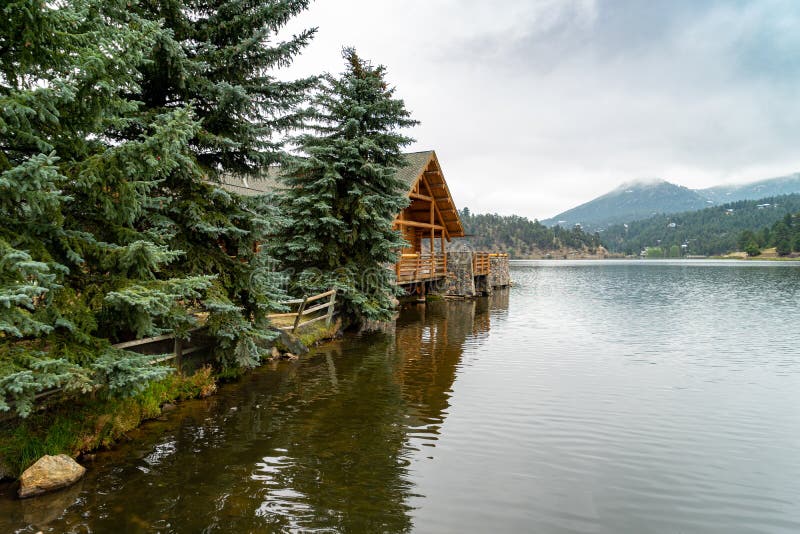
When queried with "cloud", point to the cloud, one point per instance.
{"points": [[534, 107]]}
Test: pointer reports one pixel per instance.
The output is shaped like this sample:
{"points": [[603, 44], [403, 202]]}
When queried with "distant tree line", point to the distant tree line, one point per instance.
{"points": [[784, 235], [520, 237], [711, 231]]}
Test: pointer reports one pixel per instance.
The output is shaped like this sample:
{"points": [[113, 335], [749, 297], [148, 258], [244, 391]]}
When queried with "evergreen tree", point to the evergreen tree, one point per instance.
{"points": [[218, 56], [112, 123], [782, 239], [341, 199], [751, 248], [70, 196]]}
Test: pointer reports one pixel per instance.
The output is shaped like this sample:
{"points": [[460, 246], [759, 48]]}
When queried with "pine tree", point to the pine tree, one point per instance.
{"points": [[342, 196], [109, 227], [76, 272], [781, 236], [218, 56]]}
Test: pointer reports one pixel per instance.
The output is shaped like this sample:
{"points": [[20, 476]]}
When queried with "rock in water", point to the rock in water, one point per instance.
{"points": [[49, 473]]}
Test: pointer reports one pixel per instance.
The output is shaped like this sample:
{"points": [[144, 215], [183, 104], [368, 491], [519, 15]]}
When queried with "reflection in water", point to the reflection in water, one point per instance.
{"points": [[608, 397], [323, 444]]}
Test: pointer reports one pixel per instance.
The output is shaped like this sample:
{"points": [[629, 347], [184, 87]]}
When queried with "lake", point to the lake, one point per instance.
{"points": [[593, 396]]}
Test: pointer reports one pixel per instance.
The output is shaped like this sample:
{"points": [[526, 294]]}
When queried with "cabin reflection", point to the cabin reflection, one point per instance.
{"points": [[384, 398], [321, 444]]}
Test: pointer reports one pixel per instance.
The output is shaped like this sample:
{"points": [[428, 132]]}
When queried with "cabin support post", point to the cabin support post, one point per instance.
{"points": [[444, 254]]}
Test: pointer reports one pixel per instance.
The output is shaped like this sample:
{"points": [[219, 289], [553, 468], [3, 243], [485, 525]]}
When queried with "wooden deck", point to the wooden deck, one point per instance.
{"points": [[413, 268], [416, 268]]}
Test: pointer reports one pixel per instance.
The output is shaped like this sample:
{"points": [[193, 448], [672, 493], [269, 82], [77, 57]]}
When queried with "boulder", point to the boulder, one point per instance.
{"points": [[289, 343], [49, 473]]}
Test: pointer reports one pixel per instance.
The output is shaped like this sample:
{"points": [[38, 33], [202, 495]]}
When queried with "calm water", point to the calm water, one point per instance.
{"points": [[592, 397]]}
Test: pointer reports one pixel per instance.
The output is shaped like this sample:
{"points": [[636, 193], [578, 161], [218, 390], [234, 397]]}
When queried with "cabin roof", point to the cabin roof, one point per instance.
{"points": [[419, 167], [414, 167], [253, 186], [422, 173]]}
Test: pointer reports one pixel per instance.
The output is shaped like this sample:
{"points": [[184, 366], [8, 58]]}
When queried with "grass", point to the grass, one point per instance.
{"points": [[85, 424], [315, 333]]}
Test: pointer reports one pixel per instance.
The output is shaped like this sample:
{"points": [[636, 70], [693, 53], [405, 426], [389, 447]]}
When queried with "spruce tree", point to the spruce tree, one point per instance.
{"points": [[342, 196], [110, 227], [219, 57], [781, 235], [77, 270]]}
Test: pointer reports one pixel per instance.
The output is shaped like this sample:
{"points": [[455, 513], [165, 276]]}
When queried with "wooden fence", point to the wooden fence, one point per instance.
{"points": [[291, 321], [180, 347], [197, 341]]}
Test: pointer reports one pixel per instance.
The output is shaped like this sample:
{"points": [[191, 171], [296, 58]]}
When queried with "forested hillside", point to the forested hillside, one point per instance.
{"points": [[520, 237], [710, 231], [784, 235], [642, 200]]}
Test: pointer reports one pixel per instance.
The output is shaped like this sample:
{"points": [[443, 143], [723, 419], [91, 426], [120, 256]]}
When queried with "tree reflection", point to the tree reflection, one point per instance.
{"points": [[319, 444]]}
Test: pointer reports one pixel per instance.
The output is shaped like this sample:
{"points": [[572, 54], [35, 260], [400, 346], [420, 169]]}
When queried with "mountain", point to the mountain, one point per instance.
{"points": [[629, 202], [640, 200], [714, 230], [773, 187]]}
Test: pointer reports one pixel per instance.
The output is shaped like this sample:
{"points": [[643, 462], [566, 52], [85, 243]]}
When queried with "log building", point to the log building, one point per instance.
{"points": [[428, 224]]}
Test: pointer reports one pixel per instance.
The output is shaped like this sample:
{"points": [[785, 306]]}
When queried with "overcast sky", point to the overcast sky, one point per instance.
{"points": [[535, 106]]}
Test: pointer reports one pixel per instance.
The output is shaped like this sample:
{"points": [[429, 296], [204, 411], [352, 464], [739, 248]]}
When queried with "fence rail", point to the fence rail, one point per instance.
{"points": [[196, 342], [299, 318]]}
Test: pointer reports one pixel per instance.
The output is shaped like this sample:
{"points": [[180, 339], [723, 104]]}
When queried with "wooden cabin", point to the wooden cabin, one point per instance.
{"points": [[428, 223]]}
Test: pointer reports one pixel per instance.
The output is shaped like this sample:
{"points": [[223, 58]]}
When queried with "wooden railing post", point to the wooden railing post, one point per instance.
{"points": [[331, 307], [300, 311], [178, 351]]}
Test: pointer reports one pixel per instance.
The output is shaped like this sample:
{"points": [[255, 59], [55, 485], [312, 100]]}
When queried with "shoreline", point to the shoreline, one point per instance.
{"points": [[81, 425], [708, 258]]}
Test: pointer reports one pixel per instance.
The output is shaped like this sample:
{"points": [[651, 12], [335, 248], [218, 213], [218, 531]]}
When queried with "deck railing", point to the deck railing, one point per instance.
{"points": [[481, 265], [420, 268]]}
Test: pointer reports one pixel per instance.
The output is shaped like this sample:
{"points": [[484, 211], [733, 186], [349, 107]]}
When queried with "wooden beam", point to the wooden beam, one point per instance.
{"points": [[436, 207], [433, 231], [417, 196], [424, 210], [416, 224]]}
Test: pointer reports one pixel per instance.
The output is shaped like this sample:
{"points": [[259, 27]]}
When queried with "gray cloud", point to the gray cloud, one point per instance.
{"points": [[535, 107]]}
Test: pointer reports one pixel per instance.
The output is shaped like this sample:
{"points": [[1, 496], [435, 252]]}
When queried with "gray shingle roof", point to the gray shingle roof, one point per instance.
{"points": [[253, 186], [415, 164]]}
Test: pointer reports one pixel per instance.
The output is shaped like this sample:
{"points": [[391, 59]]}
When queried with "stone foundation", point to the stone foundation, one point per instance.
{"points": [[462, 282], [460, 279], [499, 275]]}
